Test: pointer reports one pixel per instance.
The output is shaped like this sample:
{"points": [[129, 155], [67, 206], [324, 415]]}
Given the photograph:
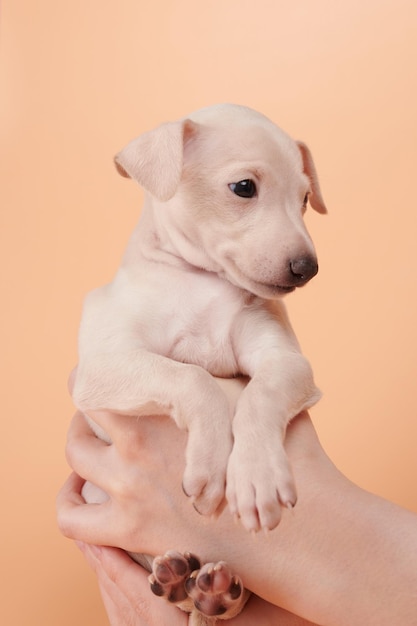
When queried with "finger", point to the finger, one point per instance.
{"points": [[80, 428], [119, 567], [124, 581], [101, 523], [118, 608], [86, 454], [71, 490], [127, 432], [106, 420], [86, 522], [142, 440], [110, 565], [121, 579], [91, 523], [108, 465]]}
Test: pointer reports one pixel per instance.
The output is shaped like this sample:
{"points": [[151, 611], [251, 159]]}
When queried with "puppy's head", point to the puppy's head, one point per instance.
{"points": [[232, 189]]}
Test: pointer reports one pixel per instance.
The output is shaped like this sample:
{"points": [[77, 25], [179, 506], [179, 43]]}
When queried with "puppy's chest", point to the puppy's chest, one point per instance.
{"points": [[199, 329], [203, 343]]}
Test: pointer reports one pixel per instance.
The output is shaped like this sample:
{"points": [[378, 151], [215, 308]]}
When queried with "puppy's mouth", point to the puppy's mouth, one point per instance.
{"points": [[280, 289], [273, 291], [268, 290]]}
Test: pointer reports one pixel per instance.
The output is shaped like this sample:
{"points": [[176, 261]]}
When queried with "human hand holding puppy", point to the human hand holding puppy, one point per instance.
{"points": [[124, 589], [341, 557], [138, 514]]}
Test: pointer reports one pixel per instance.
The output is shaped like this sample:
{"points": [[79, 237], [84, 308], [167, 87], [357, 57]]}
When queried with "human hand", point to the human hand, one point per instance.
{"points": [[146, 510], [145, 458], [141, 473], [124, 588], [337, 535]]}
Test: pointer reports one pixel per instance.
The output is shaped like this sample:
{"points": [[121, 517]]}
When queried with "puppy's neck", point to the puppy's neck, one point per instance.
{"points": [[159, 239]]}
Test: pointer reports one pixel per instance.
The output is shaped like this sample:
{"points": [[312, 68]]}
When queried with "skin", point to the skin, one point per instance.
{"points": [[124, 588], [341, 557]]}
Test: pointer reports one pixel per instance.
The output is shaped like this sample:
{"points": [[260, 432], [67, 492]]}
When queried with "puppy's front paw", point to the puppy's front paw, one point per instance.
{"points": [[204, 477], [215, 591], [259, 481], [169, 573]]}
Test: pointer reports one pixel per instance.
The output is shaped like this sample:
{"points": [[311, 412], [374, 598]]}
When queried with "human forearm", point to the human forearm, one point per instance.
{"points": [[125, 591], [258, 612], [342, 557]]}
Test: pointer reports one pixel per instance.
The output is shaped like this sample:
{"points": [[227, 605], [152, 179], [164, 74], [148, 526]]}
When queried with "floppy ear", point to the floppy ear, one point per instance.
{"points": [[315, 198], [155, 159]]}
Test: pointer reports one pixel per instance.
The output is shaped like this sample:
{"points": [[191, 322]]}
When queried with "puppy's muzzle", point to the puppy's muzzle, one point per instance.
{"points": [[301, 270]]}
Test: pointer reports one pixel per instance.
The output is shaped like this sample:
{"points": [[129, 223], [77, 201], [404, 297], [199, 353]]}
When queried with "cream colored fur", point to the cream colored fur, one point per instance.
{"points": [[199, 294], [193, 298]]}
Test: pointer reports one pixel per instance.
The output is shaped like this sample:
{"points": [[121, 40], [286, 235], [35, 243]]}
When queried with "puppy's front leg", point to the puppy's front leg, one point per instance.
{"points": [[141, 383], [259, 477]]}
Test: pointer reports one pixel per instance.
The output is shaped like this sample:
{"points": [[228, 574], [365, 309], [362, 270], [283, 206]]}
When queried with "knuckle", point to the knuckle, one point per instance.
{"points": [[130, 444], [71, 450], [120, 486]]}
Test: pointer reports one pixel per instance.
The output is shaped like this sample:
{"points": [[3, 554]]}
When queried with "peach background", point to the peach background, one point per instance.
{"points": [[78, 80]]}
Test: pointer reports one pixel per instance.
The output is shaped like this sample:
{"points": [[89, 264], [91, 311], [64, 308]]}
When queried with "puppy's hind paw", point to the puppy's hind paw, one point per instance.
{"points": [[169, 573], [215, 591]]}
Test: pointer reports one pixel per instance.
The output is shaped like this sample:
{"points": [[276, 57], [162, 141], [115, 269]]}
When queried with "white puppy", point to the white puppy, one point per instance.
{"points": [[220, 240]]}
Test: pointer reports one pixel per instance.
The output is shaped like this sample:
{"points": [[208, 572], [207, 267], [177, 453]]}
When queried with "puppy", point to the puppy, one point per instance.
{"points": [[221, 240]]}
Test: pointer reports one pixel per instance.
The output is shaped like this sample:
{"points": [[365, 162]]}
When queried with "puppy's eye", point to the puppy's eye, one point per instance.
{"points": [[244, 188]]}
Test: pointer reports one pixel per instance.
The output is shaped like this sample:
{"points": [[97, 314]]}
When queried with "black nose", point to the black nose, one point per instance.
{"points": [[303, 269]]}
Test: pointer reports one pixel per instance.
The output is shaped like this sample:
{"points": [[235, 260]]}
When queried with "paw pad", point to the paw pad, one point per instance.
{"points": [[211, 590], [169, 573]]}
